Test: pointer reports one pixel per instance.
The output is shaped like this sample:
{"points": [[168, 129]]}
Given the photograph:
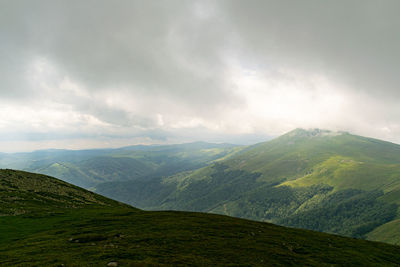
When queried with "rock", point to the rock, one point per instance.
{"points": [[112, 264]]}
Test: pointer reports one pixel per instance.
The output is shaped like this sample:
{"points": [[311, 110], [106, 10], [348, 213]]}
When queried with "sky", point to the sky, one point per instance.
{"points": [[86, 74]]}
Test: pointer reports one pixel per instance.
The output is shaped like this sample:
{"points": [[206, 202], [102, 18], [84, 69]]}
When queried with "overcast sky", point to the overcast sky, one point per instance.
{"points": [[91, 73]]}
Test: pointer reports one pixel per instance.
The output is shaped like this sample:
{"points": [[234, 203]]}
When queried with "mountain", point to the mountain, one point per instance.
{"points": [[27, 194], [316, 179], [47, 222], [88, 168]]}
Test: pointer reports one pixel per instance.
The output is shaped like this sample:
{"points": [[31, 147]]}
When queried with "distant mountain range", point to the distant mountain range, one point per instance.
{"points": [[316, 179], [88, 168], [47, 222]]}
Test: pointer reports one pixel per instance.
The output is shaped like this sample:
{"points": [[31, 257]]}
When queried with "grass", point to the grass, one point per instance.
{"points": [[389, 232], [344, 173], [74, 227], [98, 235]]}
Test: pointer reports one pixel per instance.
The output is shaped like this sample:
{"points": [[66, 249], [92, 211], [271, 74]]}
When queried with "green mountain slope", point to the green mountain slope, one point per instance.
{"points": [[88, 168], [327, 181], [23, 193], [62, 225], [389, 233]]}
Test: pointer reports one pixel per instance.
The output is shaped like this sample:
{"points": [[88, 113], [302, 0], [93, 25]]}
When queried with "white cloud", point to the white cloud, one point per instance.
{"points": [[155, 72]]}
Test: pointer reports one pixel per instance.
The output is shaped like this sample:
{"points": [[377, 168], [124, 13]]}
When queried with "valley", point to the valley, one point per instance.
{"points": [[48, 222], [314, 179], [332, 182]]}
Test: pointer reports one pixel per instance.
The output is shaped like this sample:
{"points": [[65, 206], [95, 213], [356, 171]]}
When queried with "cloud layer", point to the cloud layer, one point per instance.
{"points": [[109, 73]]}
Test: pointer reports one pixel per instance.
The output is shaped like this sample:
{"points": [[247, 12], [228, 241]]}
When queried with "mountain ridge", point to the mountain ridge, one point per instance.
{"points": [[87, 168], [297, 173]]}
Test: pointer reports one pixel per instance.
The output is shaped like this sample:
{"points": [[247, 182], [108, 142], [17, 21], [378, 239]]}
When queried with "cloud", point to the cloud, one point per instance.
{"points": [[353, 41], [153, 47], [171, 71]]}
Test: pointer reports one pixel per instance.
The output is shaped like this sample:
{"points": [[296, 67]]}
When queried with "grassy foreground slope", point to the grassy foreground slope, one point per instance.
{"points": [[327, 181], [62, 225]]}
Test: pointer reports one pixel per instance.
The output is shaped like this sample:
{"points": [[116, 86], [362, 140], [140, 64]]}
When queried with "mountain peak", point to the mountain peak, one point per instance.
{"points": [[313, 132]]}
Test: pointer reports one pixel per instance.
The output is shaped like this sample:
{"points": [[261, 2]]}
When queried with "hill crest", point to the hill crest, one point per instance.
{"points": [[24, 193]]}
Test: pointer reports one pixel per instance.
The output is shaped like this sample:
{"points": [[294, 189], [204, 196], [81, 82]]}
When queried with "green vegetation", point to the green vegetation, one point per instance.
{"points": [[63, 225], [88, 168], [319, 180], [389, 233], [23, 193], [347, 212]]}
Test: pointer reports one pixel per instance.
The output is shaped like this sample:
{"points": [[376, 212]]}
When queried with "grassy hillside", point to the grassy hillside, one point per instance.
{"points": [[23, 193], [327, 181], [62, 225], [389, 232], [88, 168]]}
